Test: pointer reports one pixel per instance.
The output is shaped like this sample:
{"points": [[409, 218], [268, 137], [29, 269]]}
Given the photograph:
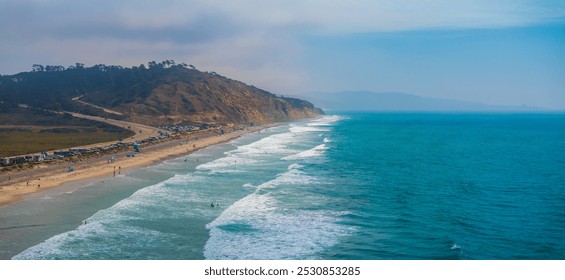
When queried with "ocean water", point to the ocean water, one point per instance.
{"points": [[344, 186]]}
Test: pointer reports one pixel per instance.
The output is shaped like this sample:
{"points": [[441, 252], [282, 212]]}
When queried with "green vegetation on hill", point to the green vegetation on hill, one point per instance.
{"points": [[161, 93]]}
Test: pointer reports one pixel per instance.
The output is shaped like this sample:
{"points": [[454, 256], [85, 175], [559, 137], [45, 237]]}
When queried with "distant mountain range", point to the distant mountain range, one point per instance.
{"points": [[161, 93], [394, 101]]}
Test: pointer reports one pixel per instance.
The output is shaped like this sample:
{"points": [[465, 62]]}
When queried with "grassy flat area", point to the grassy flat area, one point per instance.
{"points": [[27, 142], [25, 132]]}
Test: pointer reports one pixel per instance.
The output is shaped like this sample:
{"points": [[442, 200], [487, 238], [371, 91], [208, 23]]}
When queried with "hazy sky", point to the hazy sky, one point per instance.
{"points": [[506, 52]]}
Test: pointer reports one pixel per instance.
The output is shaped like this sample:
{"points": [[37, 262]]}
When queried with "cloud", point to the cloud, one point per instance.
{"points": [[252, 40], [343, 16], [176, 19]]}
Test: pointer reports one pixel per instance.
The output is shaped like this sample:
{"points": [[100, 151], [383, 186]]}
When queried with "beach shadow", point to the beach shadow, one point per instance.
{"points": [[26, 226]]}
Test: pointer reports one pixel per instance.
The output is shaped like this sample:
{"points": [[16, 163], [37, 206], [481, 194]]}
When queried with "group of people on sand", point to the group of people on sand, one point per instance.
{"points": [[119, 171]]}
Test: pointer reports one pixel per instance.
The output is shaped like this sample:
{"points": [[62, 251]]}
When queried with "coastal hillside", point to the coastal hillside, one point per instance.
{"points": [[157, 94]]}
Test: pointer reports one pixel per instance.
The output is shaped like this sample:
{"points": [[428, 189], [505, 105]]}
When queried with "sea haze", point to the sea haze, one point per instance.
{"points": [[346, 186], [403, 102]]}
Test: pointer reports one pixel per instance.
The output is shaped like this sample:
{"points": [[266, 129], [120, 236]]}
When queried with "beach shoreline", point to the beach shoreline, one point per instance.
{"points": [[53, 175]]}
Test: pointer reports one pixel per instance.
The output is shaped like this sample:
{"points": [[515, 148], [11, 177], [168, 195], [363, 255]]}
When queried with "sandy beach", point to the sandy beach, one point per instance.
{"points": [[15, 185]]}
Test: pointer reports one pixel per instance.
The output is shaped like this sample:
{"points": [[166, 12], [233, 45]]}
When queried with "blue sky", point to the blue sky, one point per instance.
{"points": [[501, 52], [511, 66]]}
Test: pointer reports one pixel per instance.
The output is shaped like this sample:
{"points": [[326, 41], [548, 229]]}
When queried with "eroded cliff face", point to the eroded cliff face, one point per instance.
{"points": [[208, 98]]}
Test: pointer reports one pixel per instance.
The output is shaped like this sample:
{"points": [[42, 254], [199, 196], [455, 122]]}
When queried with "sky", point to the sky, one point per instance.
{"points": [[498, 52]]}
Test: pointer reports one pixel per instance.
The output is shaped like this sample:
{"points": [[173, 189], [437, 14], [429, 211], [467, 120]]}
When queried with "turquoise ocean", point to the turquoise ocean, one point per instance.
{"points": [[343, 186]]}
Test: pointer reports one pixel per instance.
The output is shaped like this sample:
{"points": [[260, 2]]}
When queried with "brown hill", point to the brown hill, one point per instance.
{"points": [[163, 93], [187, 95]]}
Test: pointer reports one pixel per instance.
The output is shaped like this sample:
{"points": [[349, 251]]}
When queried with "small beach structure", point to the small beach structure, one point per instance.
{"points": [[5, 161]]}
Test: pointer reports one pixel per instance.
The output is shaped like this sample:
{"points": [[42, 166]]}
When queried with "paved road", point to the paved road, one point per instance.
{"points": [[141, 131], [77, 99]]}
